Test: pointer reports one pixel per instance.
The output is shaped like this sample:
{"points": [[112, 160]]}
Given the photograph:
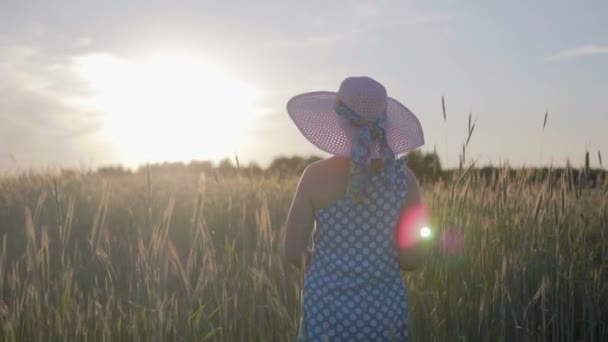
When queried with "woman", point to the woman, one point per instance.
{"points": [[353, 289]]}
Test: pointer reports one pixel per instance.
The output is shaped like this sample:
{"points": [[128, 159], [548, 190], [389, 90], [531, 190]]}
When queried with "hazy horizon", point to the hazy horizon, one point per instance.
{"points": [[114, 83]]}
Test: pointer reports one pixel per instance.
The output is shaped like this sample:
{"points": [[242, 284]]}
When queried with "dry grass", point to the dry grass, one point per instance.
{"points": [[183, 258]]}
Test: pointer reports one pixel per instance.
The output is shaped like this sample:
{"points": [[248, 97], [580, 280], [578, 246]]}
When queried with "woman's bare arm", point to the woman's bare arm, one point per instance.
{"points": [[300, 222], [414, 257]]}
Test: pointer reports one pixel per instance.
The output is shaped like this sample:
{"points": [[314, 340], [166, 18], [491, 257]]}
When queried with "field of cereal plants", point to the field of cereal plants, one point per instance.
{"points": [[169, 256]]}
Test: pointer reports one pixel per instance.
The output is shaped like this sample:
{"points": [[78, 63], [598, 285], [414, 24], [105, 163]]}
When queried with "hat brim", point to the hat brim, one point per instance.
{"points": [[314, 115]]}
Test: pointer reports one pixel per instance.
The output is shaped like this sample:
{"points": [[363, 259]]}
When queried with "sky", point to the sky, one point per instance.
{"points": [[89, 83]]}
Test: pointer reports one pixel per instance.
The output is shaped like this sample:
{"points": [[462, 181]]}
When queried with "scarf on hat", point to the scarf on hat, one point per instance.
{"points": [[368, 132]]}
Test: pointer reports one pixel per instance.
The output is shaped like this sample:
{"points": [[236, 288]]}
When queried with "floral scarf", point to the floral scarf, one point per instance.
{"points": [[369, 131]]}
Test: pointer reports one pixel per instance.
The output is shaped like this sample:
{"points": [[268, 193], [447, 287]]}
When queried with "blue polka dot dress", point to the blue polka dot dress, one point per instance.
{"points": [[353, 290]]}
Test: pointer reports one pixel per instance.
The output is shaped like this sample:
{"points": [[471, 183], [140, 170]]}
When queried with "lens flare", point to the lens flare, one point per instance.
{"points": [[451, 242], [408, 231], [425, 232]]}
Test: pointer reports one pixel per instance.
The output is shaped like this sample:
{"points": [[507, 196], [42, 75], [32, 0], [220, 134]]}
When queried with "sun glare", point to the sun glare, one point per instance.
{"points": [[169, 108]]}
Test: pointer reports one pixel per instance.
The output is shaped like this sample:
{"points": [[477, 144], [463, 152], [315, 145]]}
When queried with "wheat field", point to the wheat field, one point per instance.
{"points": [[170, 256]]}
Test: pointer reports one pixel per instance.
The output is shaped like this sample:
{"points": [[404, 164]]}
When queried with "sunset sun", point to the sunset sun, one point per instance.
{"points": [[168, 108]]}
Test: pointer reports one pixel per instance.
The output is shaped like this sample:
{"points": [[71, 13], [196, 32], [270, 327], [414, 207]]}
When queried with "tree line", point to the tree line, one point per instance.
{"points": [[426, 166], [423, 164]]}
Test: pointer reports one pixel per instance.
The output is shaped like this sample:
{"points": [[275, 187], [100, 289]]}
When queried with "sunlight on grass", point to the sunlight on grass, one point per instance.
{"points": [[176, 256]]}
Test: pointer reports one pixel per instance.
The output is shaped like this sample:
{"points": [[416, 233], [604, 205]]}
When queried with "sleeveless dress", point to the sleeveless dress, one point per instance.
{"points": [[353, 289]]}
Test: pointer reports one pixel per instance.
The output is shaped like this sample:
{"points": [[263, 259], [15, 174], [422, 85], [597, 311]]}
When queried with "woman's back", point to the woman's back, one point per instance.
{"points": [[353, 289], [327, 180]]}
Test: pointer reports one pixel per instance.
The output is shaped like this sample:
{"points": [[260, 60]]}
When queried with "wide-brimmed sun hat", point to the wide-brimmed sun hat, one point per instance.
{"points": [[361, 122], [315, 116]]}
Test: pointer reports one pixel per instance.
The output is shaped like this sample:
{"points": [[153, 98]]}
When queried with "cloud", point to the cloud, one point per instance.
{"points": [[38, 124], [583, 51]]}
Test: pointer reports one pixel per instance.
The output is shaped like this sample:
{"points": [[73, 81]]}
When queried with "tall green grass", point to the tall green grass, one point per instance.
{"points": [[168, 256]]}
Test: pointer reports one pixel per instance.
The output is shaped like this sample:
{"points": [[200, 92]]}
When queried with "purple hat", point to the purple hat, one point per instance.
{"points": [[315, 116]]}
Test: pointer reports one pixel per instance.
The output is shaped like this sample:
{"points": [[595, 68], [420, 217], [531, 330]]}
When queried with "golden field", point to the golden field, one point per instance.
{"points": [[183, 256]]}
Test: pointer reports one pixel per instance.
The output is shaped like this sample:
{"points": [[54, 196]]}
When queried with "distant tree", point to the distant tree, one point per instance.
{"points": [[226, 168], [426, 165], [200, 166], [165, 167], [113, 170], [295, 164], [253, 169]]}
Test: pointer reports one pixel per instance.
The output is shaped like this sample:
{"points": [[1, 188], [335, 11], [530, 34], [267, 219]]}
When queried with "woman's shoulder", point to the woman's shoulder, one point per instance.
{"points": [[324, 179], [327, 166], [339, 166]]}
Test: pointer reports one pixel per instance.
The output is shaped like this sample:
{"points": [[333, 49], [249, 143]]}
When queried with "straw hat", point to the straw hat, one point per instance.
{"points": [[318, 116]]}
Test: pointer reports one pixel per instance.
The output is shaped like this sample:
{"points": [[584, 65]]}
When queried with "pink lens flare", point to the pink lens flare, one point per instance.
{"points": [[451, 243], [410, 224]]}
